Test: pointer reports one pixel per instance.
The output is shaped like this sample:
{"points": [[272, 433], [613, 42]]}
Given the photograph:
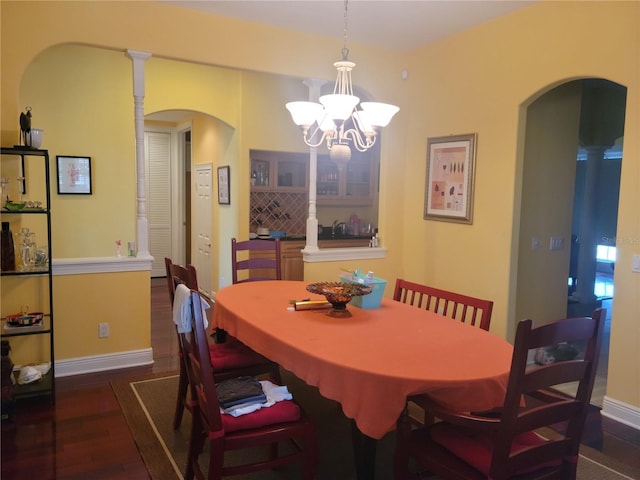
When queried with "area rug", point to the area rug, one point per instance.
{"points": [[148, 405]]}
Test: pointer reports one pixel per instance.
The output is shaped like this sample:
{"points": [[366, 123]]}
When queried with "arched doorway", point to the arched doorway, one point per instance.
{"points": [[569, 191]]}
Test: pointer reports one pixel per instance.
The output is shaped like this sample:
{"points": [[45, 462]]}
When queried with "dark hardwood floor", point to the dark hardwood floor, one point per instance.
{"points": [[86, 436]]}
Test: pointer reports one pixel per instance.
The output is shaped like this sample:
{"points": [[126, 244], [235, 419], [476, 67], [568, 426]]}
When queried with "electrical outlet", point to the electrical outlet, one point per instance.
{"points": [[103, 330]]}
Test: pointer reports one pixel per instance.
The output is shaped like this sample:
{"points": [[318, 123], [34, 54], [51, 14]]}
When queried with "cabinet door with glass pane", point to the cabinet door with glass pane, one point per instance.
{"points": [[353, 183], [279, 171]]}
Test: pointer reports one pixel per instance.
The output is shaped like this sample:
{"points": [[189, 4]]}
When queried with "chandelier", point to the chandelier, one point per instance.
{"points": [[337, 120]]}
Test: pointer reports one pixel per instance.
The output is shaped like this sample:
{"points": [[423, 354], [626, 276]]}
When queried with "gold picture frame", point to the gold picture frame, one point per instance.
{"points": [[450, 178]]}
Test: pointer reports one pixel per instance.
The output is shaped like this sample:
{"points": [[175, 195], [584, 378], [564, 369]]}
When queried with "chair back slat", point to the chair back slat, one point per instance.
{"points": [[467, 309], [245, 267]]}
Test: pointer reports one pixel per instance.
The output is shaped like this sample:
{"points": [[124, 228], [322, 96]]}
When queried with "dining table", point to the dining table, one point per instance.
{"points": [[370, 361]]}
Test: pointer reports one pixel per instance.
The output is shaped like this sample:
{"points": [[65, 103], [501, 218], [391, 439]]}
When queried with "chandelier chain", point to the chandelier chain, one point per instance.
{"points": [[345, 50]]}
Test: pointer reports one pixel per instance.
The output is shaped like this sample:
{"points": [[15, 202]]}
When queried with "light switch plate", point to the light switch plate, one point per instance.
{"points": [[635, 263], [556, 243]]}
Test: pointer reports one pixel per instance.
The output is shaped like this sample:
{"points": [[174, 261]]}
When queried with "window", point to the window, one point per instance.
{"points": [[605, 253]]}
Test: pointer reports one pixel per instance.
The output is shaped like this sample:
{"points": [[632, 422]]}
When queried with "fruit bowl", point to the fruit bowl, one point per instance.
{"points": [[339, 294], [14, 206]]}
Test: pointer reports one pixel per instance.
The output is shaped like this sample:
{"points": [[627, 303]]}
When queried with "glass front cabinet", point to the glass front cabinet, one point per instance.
{"points": [[352, 184], [279, 171]]}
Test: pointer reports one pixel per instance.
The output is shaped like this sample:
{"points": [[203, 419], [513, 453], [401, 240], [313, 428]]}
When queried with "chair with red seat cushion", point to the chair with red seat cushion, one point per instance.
{"points": [[229, 359], [255, 259], [268, 427], [467, 309], [508, 443]]}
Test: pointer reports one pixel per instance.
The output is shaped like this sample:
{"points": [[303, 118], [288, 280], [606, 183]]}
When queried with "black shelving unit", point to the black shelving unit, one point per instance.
{"points": [[27, 156]]}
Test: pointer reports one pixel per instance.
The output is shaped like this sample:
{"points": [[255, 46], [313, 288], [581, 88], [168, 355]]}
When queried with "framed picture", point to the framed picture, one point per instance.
{"points": [[450, 175], [74, 175], [224, 191]]}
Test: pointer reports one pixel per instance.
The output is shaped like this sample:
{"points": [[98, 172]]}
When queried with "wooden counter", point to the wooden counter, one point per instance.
{"points": [[291, 255]]}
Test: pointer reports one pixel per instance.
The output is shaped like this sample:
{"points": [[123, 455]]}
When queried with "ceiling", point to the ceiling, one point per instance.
{"points": [[394, 24]]}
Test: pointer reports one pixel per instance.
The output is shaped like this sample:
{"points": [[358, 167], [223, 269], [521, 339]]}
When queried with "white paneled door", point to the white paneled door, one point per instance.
{"points": [[202, 226], [159, 196]]}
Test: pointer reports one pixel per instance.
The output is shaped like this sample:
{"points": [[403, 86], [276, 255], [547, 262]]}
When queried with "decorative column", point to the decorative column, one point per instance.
{"points": [[588, 225], [312, 221], [138, 59]]}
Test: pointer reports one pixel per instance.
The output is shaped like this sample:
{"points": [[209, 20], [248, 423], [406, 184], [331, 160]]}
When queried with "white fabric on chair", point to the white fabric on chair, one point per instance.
{"points": [[182, 309]]}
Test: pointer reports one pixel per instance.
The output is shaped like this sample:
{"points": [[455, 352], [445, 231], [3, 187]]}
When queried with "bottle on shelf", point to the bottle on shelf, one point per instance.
{"points": [[260, 178], [8, 250]]}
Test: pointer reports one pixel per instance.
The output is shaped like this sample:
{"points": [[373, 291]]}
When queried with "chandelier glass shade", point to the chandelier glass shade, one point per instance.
{"points": [[339, 119]]}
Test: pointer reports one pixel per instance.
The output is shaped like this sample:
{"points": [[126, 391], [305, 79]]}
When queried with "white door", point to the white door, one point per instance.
{"points": [[202, 225], [159, 196]]}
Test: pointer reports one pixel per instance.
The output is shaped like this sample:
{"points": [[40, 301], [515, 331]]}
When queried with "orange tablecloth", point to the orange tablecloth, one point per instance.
{"points": [[373, 360]]}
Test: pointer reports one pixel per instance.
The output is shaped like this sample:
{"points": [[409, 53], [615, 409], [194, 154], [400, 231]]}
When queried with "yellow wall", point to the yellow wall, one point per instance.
{"points": [[83, 301], [480, 80], [82, 99]]}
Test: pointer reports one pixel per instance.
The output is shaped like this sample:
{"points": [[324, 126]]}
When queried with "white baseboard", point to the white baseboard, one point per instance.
{"points": [[621, 412], [100, 363]]}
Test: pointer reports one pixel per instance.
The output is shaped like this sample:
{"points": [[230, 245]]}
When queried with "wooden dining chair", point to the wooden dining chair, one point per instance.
{"points": [[230, 359], [269, 427], [254, 260], [471, 310], [509, 442]]}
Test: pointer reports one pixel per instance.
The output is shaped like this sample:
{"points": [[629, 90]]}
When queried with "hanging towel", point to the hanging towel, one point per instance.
{"points": [[182, 309]]}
